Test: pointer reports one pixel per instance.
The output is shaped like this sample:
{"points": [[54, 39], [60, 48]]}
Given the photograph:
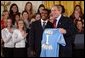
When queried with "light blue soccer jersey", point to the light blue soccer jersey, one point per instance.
{"points": [[50, 43]]}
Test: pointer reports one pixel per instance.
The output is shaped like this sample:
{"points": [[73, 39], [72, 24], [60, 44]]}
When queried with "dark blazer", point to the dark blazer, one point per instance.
{"points": [[35, 36], [67, 24]]}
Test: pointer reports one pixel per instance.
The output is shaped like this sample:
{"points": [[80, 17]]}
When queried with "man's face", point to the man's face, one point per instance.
{"points": [[55, 12], [44, 15]]}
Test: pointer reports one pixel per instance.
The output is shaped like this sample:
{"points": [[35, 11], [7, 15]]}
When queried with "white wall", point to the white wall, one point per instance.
{"points": [[21, 5]]}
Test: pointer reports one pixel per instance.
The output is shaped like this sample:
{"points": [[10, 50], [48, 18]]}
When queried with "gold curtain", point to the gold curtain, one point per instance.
{"points": [[69, 5]]}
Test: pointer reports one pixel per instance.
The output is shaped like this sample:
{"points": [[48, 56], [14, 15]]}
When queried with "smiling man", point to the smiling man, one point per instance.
{"points": [[66, 27], [36, 31]]}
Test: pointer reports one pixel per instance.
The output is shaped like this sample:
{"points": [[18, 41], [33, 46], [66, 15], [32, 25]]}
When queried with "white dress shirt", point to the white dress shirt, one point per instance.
{"points": [[58, 18], [43, 21], [7, 38], [18, 39]]}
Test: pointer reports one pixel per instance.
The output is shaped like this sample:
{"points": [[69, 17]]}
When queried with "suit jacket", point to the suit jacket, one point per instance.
{"points": [[35, 36], [67, 24]]}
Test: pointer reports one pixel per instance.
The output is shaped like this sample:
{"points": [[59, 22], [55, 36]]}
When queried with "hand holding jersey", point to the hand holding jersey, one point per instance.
{"points": [[50, 43]]}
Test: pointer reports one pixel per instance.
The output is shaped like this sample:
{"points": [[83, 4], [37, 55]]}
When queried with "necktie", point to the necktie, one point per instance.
{"points": [[44, 25], [54, 23]]}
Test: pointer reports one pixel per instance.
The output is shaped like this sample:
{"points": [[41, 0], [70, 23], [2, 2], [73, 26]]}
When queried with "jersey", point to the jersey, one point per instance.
{"points": [[50, 43]]}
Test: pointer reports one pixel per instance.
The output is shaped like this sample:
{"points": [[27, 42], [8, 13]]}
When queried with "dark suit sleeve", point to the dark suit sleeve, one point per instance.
{"points": [[31, 37], [70, 29]]}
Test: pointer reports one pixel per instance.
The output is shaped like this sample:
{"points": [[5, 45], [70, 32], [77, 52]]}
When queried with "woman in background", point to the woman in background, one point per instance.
{"points": [[25, 18], [19, 40], [4, 18], [6, 35], [79, 26], [17, 18], [63, 10], [13, 11], [29, 9], [40, 8], [77, 14], [36, 17]]}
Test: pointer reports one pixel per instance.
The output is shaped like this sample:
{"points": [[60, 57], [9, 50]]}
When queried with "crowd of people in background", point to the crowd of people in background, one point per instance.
{"points": [[20, 31]]}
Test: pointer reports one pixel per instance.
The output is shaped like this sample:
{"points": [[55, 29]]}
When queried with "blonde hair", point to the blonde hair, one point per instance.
{"points": [[24, 27]]}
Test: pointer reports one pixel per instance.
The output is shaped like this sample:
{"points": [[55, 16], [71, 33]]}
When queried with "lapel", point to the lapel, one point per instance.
{"points": [[40, 26]]}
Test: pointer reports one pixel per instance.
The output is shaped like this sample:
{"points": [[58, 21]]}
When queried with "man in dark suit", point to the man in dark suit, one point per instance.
{"points": [[36, 31], [66, 27]]}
